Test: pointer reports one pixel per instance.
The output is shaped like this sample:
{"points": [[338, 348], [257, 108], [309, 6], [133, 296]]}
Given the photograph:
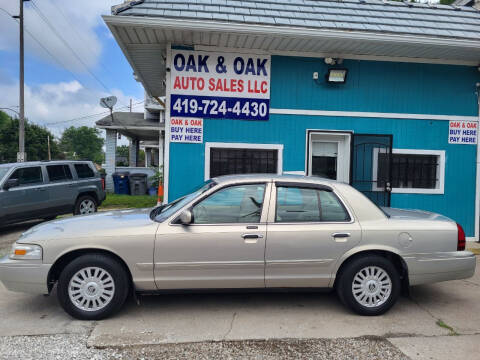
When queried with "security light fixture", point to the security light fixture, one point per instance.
{"points": [[336, 76]]}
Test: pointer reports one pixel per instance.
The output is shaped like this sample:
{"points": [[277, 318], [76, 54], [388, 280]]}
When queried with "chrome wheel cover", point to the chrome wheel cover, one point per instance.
{"points": [[91, 289], [371, 286], [87, 206]]}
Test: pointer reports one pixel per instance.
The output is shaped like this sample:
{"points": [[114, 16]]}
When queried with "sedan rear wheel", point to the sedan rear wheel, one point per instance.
{"points": [[93, 287], [369, 285]]}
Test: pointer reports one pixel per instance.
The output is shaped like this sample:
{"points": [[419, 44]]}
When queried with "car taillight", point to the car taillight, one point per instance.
{"points": [[103, 184], [461, 238]]}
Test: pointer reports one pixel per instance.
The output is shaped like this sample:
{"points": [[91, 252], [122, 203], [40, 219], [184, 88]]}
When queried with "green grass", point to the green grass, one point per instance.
{"points": [[442, 324], [114, 201]]}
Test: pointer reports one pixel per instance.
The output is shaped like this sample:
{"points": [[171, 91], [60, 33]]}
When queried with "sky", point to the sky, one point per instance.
{"points": [[71, 61]]}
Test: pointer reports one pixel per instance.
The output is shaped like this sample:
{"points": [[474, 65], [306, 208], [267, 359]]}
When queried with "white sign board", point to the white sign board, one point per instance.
{"points": [[184, 130], [463, 132], [220, 85]]}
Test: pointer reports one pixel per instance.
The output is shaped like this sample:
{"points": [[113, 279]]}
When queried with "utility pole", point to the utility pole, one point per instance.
{"points": [[21, 155], [48, 144]]}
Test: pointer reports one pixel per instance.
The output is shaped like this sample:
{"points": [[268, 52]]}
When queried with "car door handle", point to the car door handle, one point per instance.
{"points": [[341, 237], [41, 189], [251, 238]]}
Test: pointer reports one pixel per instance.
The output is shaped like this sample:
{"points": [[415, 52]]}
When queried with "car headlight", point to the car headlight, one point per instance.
{"points": [[26, 252]]}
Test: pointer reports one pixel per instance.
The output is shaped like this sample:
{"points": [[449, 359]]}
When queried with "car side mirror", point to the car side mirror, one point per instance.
{"points": [[186, 217], [10, 183]]}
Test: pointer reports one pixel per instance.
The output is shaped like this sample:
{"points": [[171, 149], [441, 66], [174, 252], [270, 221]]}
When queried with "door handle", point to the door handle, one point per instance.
{"points": [[341, 237], [41, 189], [251, 238]]}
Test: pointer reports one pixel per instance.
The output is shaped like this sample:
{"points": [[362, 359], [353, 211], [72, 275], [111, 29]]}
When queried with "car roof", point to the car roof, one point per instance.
{"points": [[37, 163], [272, 177]]}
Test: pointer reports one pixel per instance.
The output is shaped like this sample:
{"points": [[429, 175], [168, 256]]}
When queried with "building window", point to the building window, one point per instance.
{"points": [[413, 171], [229, 159]]}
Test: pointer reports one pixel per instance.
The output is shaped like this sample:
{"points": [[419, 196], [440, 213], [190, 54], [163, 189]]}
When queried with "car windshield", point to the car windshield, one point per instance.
{"points": [[3, 171], [163, 212]]}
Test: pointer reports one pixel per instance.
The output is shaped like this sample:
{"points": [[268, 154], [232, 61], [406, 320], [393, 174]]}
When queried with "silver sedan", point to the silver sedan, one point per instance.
{"points": [[251, 232]]}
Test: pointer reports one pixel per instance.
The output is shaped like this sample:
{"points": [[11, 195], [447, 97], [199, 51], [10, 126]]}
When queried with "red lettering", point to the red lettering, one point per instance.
{"points": [[264, 87], [211, 84], [240, 85], [177, 85]]}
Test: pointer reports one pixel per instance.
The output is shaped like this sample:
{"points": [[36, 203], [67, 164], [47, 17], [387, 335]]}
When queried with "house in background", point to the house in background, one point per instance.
{"points": [[473, 3], [379, 94], [144, 131]]}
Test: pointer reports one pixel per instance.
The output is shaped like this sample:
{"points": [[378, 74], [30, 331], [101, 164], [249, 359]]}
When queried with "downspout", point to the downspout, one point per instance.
{"points": [[477, 189]]}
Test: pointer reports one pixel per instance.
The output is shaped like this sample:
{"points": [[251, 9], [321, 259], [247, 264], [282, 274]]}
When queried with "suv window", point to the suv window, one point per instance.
{"points": [[308, 205], [84, 171], [28, 175], [235, 204], [59, 172]]}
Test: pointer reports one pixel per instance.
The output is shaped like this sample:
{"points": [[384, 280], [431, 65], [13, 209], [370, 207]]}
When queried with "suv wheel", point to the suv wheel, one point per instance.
{"points": [[369, 285], [93, 287], [85, 205]]}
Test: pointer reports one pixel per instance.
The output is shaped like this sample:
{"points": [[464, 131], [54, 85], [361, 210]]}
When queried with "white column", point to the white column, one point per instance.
{"points": [[132, 152], [166, 151], [148, 157], [110, 157]]}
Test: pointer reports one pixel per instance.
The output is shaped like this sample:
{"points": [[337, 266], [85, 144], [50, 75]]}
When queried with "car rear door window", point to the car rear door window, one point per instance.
{"points": [[59, 173], [308, 205], [235, 204], [84, 171], [28, 175]]}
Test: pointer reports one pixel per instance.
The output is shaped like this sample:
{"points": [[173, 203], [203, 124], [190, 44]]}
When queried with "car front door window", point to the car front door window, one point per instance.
{"points": [[235, 204], [28, 176]]}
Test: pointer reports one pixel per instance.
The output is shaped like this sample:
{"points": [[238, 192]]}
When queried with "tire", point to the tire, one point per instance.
{"points": [[377, 285], [84, 205], [102, 292]]}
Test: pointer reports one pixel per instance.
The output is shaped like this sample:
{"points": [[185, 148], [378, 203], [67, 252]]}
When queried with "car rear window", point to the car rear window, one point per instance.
{"points": [[59, 172], [84, 171]]}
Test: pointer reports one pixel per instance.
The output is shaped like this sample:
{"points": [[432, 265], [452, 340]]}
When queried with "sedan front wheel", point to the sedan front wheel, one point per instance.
{"points": [[369, 285], [93, 287]]}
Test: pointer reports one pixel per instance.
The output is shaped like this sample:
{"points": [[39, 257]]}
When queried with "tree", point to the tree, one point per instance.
{"points": [[82, 143], [36, 141]]}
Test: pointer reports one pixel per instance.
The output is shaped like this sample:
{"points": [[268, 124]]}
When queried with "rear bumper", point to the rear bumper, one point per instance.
{"points": [[24, 276], [430, 268]]}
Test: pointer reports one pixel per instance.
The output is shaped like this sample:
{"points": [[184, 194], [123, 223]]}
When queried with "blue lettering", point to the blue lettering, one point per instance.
{"points": [[181, 66], [261, 66], [250, 67], [238, 65]]}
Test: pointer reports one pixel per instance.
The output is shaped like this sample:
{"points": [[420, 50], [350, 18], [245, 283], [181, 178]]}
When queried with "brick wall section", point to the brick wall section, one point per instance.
{"points": [[110, 157]]}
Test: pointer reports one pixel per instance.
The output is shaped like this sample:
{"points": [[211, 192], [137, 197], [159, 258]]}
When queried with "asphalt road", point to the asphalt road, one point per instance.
{"points": [[439, 321]]}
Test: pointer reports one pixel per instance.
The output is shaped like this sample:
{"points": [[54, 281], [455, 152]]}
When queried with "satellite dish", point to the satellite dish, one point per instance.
{"points": [[108, 102]]}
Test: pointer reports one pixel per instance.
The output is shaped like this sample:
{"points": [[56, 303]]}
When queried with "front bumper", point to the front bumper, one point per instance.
{"points": [[24, 276], [435, 267]]}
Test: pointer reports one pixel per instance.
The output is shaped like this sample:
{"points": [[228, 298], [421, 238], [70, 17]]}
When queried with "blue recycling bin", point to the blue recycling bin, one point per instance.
{"points": [[121, 183]]}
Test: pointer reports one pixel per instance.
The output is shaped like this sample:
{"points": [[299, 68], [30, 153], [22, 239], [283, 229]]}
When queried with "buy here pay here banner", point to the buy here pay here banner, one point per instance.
{"points": [[220, 85]]}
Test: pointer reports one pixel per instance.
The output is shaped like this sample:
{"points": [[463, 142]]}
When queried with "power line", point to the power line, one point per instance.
{"points": [[60, 37], [48, 52], [91, 115]]}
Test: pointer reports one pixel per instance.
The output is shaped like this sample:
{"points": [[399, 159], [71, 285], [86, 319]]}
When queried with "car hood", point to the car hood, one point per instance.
{"points": [[403, 214], [95, 225]]}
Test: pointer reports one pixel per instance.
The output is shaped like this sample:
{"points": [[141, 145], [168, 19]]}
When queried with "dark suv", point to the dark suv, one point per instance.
{"points": [[43, 190]]}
